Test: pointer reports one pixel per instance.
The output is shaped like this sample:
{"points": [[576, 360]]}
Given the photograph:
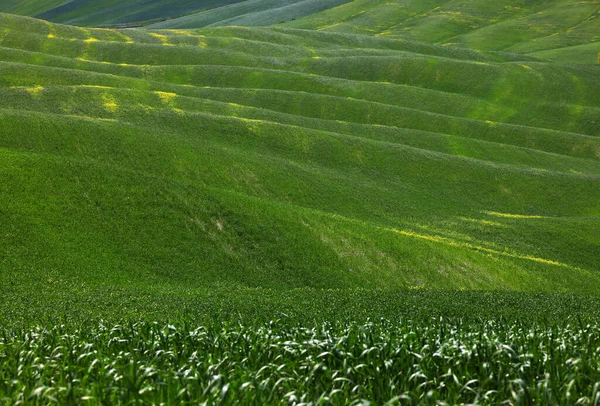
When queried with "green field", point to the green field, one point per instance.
{"points": [[111, 12], [560, 30], [563, 30], [411, 177], [384, 362]]}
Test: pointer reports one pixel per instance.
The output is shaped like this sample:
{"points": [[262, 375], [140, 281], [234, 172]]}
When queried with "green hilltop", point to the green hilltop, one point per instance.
{"points": [[283, 158], [563, 30], [560, 30], [520, 26]]}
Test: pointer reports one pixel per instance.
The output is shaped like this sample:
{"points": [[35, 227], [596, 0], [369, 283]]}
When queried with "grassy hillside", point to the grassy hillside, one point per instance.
{"points": [[171, 13], [507, 25], [112, 12], [251, 13], [269, 215], [561, 30], [281, 158]]}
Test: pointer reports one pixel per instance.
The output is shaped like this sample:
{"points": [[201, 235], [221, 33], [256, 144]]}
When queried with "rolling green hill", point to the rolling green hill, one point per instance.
{"points": [[560, 30], [342, 208], [112, 12], [476, 23], [563, 30], [251, 13], [284, 158], [507, 25]]}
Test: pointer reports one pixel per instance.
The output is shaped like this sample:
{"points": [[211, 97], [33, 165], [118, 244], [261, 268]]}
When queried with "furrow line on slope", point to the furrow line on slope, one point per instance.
{"points": [[404, 47], [149, 123], [537, 51], [185, 91], [247, 78], [329, 38], [326, 69], [385, 145], [253, 13], [351, 177], [147, 41], [382, 103], [101, 67], [280, 116], [508, 19], [257, 113], [441, 101], [303, 38], [338, 40], [41, 42], [81, 49], [201, 43], [556, 33], [551, 165]]}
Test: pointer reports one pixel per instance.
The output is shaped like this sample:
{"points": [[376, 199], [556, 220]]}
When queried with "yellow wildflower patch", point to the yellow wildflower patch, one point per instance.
{"points": [[110, 103], [94, 87], [512, 216], [326, 27], [454, 243], [483, 222], [166, 97], [34, 91], [162, 38], [251, 120]]}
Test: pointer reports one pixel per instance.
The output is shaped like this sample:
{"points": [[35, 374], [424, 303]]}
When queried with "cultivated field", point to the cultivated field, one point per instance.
{"points": [[301, 213], [285, 158]]}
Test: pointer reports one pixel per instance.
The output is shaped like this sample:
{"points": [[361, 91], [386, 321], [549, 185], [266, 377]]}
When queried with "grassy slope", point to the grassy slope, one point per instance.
{"points": [[111, 12], [560, 30], [282, 158], [28, 7], [251, 13], [507, 25], [172, 13]]}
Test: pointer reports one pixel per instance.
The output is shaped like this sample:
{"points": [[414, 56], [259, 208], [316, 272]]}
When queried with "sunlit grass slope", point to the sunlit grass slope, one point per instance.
{"points": [[507, 25], [283, 158]]}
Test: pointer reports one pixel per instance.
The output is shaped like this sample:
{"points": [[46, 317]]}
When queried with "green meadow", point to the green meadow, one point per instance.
{"points": [[316, 202]]}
